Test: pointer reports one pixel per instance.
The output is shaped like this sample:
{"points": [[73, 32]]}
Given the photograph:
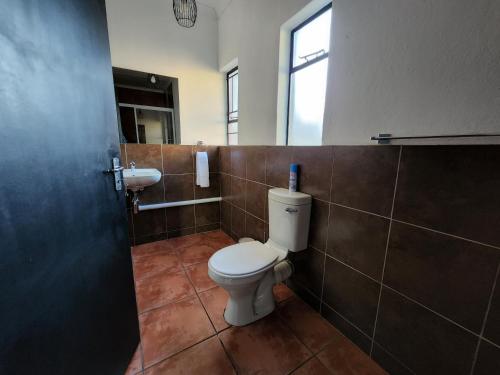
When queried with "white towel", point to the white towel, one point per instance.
{"points": [[202, 172]]}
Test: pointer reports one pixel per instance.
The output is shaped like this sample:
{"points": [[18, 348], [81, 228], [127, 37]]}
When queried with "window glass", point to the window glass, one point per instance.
{"points": [[307, 104], [232, 107], [308, 77], [312, 40]]}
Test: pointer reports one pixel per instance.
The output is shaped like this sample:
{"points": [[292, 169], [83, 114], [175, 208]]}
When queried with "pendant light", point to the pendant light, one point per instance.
{"points": [[185, 12]]}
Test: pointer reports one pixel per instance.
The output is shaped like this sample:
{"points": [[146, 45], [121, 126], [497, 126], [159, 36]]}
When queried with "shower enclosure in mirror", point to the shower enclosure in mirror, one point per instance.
{"points": [[147, 106]]}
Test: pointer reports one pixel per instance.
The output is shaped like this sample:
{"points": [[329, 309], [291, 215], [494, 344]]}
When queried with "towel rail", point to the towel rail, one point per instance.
{"points": [[384, 139]]}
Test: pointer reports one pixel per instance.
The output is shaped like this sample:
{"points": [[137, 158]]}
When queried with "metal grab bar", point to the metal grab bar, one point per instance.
{"points": [[387, 138], [147, 207]]}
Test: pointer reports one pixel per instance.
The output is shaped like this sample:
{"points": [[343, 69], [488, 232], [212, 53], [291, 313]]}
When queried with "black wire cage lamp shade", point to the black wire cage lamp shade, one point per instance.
{"points": [[185, 12]]}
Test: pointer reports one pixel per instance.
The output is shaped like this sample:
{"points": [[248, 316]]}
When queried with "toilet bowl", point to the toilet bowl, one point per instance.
{"points": [[249, 270]]}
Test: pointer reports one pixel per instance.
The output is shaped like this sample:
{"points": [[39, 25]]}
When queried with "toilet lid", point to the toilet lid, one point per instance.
{"points": [[243, 258]]}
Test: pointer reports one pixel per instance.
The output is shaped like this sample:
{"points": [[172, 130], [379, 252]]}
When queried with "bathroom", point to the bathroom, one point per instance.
{"points": [[250, 187]]}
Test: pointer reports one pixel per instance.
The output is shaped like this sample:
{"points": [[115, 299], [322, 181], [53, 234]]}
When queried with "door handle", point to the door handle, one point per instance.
{"points": [[116, 171]]}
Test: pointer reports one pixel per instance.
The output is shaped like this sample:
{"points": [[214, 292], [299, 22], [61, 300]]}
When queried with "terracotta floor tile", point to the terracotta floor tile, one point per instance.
{"points": [[282, 292], [196, 254], [179, 243], [309, 326], [172, 328], [198, 274], [135, 365], [343, 357], [205, 358], [153, 264], [215, 301], [218, 239], [153, 248], [264, 347], [162, 288], [312, 367]]}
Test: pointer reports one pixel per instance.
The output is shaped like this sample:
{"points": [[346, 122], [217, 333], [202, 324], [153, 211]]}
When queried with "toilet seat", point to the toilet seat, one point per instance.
{"points": [[243, 260]]}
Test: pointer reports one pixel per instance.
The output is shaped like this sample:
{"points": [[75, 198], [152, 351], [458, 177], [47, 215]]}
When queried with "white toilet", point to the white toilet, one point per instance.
{"points": [[249, 270]]}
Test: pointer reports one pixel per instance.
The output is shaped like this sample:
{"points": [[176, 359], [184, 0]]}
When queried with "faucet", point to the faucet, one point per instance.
{"points": [[132, 166]]}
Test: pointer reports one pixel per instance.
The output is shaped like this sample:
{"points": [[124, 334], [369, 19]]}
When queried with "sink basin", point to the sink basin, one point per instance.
{"points": [[138, 179]]}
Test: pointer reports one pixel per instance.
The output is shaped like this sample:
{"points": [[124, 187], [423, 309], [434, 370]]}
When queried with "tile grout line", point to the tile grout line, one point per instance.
{"points": [[353, 268], [447, 234], [430, 310], [393, 219], [356, 209], [348, 321], [327, 237], [164, 191], [386, 251], [187, 297], [395, 359], [485, 319]]}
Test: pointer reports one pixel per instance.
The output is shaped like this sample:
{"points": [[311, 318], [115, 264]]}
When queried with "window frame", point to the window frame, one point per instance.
{"points": [[292, 69], [230, 74]]}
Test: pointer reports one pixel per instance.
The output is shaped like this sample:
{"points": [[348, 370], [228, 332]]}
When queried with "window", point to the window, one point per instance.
{"points": [[310, 44], [232, 107]]}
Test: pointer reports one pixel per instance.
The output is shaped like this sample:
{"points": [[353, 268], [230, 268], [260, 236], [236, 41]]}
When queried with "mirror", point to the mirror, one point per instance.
{"points": [[147, 107]]}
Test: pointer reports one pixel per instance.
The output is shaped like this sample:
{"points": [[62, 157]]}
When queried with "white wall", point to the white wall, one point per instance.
{"points": [[145, 36], [413, 68], [249, 30]]}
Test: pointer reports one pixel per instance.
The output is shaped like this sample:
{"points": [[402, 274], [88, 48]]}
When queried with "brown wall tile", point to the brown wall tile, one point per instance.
{"points": [[225, 159], [256, 163], [144, 156], [177, 159], [180, 217], [318, 228], [492, 329], [423, 341], [149, 222], [452, 189], [315, 170], [358, 239], [238, 227], [238, 161], [364, 177], [153, 194], [179, 187], [304, 294], [238, 188], [212, 191], [256, 195], [207, 228], [255, 228], [225, 186], [181, 232], [351, 294], [278, 159], [488, 359], [449, 275], [362, 340], [207, 213], [308, 269], [226, 217], [388, 362]]}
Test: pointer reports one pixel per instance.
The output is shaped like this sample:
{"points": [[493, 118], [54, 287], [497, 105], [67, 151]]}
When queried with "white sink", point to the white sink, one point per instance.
{"points": [[138, 178]]}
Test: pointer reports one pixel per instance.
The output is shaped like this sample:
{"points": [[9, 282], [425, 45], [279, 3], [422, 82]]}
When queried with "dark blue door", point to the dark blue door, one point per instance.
{"points": [[67, 303]]}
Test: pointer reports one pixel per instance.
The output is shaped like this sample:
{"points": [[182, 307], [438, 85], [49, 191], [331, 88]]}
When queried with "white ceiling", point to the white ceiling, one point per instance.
{"points": [[218, 5]]}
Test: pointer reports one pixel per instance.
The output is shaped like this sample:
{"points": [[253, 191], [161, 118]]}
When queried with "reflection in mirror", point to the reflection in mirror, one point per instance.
{"points": [[147, 107]]}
